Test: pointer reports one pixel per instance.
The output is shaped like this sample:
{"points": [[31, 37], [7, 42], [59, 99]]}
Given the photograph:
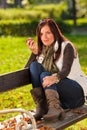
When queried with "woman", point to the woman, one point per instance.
{"points": [[51, 69]]}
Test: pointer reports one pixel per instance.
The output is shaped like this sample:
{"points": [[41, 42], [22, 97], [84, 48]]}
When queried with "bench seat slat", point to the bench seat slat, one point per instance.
{"points": [[70, 119]]}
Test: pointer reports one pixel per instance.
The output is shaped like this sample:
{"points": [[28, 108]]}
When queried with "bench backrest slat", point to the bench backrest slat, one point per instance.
{"points": [[13, 80]]}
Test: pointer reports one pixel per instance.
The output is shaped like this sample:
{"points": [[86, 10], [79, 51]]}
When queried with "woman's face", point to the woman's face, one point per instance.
{"points": [[46, 36]]}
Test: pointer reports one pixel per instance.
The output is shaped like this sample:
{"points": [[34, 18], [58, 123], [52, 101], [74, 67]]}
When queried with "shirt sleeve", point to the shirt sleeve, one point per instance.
{"points": [[67, 61]]}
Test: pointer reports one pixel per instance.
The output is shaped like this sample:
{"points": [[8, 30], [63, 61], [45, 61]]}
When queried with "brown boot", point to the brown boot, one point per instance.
{"points": [[40, 101], [55, 111]]}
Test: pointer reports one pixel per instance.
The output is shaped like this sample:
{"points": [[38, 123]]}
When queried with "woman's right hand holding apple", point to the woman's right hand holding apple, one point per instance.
{"points": [[32, 45]]}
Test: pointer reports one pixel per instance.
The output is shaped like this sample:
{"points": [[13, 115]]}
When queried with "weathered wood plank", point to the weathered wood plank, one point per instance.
{"points": [[14, 79], [70, 119]]}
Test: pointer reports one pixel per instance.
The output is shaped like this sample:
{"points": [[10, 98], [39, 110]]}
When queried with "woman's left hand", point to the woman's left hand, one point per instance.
{"points": [[49, 80]]}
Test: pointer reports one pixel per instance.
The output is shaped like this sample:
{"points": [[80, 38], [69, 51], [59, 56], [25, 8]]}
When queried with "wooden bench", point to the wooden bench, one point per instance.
{"points": [[20, 78]]}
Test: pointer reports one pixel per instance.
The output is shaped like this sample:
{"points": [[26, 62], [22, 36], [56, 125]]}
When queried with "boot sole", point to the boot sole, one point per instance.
{"points": [[54, 118], [50, 120], [62, 116]]}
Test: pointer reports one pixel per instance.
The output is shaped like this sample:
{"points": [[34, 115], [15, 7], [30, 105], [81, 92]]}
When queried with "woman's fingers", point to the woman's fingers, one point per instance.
{"points": [[49, 80], [30, 42], [32, 45], [46, 82]]}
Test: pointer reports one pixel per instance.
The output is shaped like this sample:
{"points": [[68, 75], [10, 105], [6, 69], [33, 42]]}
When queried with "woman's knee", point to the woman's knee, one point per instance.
{"points": [[33, 68], [33, 64], [44, 74]]}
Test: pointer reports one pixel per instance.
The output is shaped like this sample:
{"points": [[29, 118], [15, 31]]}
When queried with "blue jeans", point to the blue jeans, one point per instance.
{"points": [[70, 92]]}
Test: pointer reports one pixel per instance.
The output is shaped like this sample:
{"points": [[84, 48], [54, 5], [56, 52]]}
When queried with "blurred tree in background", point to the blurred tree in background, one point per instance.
{"points": [[8, 3], [18, 3], [75, 8], [3, 3]]}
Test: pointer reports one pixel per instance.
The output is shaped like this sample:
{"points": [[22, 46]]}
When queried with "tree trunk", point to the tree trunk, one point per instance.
{"points": [[74, 12], [17, 3], [3, 4]]}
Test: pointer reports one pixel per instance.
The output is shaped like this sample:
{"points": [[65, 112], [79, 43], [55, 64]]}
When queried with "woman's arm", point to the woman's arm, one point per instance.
{"points": [[67, 61]]}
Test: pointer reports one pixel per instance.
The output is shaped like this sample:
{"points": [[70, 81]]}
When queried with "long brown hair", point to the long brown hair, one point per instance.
{"points": [[58, 36]]}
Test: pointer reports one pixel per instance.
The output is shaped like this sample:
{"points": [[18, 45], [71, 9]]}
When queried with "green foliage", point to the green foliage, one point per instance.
{"points": [[34, 11], [81, 9], [23, 22], [81, 22], [26, 28], [18, 28]]}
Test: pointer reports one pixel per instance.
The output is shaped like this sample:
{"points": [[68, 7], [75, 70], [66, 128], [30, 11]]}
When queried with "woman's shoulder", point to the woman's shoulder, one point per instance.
{"points": [[67, 43], [69, 46]]}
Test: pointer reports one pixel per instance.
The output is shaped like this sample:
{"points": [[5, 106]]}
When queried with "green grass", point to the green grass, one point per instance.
{"points": [[13, 56]]}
